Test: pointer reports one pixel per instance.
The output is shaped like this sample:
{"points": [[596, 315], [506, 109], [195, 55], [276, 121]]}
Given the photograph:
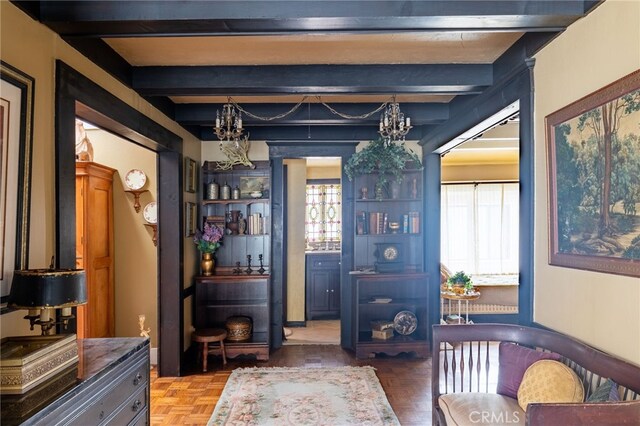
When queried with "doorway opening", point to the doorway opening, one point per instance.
{"points": [[313, 229], [479, 212], [113, 244]]}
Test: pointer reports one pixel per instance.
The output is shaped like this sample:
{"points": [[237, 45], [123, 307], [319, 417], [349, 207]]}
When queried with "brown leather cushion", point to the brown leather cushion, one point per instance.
{"points": [[549, 381], [480, 409]]}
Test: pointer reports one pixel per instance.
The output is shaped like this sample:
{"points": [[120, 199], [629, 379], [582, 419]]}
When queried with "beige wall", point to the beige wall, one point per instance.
{"points": [[296, 195], [33, 49], [334, 172], [600, 309], [479, 172], [136, 258]]}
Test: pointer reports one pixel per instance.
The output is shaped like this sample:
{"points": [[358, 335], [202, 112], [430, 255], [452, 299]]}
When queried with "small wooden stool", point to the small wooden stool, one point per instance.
{"points": [[210, 335]]}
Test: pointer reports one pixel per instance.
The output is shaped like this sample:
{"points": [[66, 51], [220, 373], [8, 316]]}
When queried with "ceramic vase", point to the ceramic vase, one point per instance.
{"points": [[207, 264]]}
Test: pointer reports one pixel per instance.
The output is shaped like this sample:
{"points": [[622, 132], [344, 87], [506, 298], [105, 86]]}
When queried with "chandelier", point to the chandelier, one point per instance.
{"points": [[229, 125], [393, 125]]}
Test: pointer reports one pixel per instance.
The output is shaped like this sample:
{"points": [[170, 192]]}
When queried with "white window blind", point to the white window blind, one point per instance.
{"points": [[480, 228]]}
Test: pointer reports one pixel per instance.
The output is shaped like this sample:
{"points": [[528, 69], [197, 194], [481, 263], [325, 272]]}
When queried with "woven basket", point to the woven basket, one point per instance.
{"points": [[238, 328]]}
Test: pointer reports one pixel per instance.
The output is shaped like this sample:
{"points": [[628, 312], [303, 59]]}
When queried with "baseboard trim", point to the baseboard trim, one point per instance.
{"points": [[295, 324], [153, 355]]}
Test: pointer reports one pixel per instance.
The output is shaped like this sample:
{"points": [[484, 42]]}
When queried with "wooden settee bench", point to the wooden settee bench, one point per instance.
{"points": [[465, 360]]}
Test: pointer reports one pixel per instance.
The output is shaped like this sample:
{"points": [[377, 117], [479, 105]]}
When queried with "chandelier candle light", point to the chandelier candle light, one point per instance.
{"points": [[393, 124]]}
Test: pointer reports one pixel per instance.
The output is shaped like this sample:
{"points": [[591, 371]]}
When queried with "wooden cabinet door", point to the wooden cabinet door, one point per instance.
{"points": [[319, 287], [96, 318]]}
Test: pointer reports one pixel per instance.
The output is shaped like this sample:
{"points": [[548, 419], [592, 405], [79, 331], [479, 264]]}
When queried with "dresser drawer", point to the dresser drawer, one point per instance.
{"points": [[128, 411], [114, 394]]}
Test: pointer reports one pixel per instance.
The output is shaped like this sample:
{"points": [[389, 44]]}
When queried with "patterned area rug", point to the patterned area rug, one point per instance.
{"points": [[303, 396]]}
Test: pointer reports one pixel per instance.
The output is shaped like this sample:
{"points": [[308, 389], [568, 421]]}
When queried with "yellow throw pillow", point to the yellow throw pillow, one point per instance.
{"points": [[549, 381]]}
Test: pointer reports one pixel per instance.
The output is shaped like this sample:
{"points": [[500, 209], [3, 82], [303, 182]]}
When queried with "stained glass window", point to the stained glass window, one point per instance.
{"points": [[323, 213]]}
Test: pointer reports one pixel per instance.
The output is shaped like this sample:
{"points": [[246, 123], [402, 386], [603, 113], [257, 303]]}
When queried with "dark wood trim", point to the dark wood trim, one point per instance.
{"points": [[285, 238], [295, 324], [312, 113], [278, 151], [76, 95], [432, 220], [100, 53], [323, 181], [188, 292], [306, 134], [317, 79], [164, 18]]}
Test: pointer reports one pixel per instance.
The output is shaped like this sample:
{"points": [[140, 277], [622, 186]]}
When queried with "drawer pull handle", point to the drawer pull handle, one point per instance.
{"points": [[136, 381], [327, 290], [136, 405]]}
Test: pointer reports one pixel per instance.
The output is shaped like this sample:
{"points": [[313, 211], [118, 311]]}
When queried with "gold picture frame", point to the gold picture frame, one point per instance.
{"points": [[190, 175], [190, 218]]}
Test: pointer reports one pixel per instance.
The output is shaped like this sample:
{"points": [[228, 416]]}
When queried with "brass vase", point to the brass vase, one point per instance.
{"points": [[207, 264]]}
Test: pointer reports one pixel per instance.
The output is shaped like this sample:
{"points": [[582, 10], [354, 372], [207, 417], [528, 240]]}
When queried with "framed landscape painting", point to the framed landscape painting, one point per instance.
{"points": [[593, 148]]}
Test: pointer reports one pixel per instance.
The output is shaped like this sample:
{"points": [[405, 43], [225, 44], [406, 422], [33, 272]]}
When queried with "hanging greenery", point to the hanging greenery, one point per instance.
{"points": [[388, 160]]}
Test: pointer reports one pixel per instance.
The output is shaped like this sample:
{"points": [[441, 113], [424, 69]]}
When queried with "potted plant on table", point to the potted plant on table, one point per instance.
{"points": [[460, 283], [208, 241], [387, 158]]}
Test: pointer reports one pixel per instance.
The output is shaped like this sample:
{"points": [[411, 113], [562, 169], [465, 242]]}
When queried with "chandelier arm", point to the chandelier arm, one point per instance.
{"points": [[275, 117], [353, 117]]}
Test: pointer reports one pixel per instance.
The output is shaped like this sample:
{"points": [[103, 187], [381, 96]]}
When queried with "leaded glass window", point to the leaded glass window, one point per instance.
{"points": [[323, 213]]}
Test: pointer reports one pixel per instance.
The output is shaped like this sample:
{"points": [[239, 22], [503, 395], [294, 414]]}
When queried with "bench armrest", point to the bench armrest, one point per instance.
{"points": [[606, 413]]}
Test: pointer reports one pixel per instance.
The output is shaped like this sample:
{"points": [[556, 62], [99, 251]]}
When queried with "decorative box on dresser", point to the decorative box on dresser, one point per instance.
{"points": [[238, 287], [94, 248], [108, 386], [388, 258]]}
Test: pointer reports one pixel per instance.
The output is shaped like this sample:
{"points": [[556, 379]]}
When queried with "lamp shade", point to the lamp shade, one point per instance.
{"points": [[47, 288]]}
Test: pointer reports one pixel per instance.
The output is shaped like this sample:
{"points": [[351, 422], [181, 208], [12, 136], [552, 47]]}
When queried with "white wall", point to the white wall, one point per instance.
{"points": [[600, 309]]}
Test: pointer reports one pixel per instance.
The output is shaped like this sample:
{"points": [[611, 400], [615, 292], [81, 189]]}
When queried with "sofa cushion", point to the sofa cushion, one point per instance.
{"points": [[514, 361], [480, 409], [606, 392], [549, 381]]}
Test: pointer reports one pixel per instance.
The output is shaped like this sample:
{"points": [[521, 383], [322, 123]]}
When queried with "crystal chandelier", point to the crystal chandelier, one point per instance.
{"points": [[393, 125], [229, 125]]}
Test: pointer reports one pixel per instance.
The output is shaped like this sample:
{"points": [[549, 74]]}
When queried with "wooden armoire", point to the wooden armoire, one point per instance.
{"points": [[94, 248]]}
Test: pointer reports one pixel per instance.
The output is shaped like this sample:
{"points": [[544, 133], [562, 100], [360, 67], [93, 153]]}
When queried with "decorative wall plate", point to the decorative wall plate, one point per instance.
{"points": [[135, 179], [405, 322], [150, 212]]}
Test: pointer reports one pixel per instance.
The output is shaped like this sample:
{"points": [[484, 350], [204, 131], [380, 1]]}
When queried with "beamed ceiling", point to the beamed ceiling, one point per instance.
{"points": [[187, 57]]}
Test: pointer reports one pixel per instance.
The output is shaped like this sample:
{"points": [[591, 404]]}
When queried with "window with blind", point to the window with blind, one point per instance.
{"points": [[323, 213], [479, 227]]}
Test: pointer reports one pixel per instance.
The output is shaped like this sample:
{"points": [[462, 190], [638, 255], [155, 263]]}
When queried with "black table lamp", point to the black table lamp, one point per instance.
{"points": [[40, 290]]}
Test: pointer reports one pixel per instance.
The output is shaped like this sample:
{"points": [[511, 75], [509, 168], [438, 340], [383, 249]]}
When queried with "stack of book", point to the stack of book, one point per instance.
{"points": [[381, 329], [411, 223], [218, 221], [372, 223], [256, 224]]}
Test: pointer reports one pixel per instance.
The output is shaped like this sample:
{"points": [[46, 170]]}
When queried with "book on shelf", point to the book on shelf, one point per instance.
{"points": [[380, 299]]}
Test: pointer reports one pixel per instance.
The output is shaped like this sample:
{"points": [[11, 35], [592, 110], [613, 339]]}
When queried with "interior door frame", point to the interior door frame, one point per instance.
{"points": [[78, 96], [278, 151], [518, 88]]}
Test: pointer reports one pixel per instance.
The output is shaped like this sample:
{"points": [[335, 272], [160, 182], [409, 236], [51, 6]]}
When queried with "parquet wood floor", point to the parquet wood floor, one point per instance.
{"points": [[190, 400]]}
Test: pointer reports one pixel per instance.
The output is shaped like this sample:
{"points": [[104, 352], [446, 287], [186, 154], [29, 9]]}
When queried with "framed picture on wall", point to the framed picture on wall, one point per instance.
{"points": [[593, 148], [190, 175], [190, 218], [16, 134]]}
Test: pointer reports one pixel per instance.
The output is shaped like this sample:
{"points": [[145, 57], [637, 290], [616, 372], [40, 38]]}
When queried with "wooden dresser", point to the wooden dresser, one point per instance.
{"points": [[108, 386]]}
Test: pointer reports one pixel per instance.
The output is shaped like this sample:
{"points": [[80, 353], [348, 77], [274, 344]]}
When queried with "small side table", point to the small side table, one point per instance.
{"points": [[459, 297], [210, 335]]}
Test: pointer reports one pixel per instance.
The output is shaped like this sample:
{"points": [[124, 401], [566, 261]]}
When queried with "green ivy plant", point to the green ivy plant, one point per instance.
{"points": [[387, 161]]}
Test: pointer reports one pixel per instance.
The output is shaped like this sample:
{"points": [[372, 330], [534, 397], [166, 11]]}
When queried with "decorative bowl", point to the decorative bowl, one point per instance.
{"points": [[256, 194]]}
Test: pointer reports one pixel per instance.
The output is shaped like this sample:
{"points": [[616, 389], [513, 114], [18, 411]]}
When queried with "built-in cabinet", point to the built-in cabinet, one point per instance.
{"points": [[94, 248], [240, 286], [322, 286], [382, 286]]}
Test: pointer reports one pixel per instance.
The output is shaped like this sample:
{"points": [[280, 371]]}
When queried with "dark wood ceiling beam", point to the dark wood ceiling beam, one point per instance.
{"points": [[313, 133], [153, 18], [312, 79], [315, 114]]}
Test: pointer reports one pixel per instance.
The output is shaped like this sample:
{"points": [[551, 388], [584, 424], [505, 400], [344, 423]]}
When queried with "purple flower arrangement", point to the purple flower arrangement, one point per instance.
{"points": [[208, 241]]}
